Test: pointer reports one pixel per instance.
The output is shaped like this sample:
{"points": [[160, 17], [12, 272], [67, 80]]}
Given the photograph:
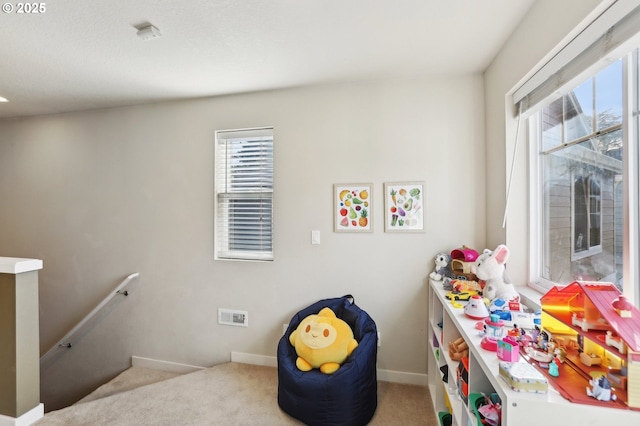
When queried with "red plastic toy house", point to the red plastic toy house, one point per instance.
{"points": [[595, 319]]}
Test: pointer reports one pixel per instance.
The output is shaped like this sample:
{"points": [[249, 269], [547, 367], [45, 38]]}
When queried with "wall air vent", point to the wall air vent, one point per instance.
{"points": [[233, 317]]}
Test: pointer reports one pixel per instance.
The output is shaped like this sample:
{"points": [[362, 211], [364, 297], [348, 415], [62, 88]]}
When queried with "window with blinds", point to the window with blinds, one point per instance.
{"points": [[581, 115], [244, 194], [580, 165]]}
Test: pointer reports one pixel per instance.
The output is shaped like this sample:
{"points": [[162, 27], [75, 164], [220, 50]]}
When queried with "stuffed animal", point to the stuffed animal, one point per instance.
{"points": [[443, 267], [322, 341], [490, 267]]}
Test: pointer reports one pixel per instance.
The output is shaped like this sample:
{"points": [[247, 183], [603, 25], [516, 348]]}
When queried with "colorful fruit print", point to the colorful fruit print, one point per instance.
{"points": [[353, 208]]}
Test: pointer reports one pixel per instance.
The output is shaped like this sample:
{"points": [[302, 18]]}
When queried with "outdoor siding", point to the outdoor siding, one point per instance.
{"points": [[559, 224]]}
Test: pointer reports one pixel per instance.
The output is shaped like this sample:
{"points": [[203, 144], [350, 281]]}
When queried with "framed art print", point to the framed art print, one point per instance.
{"points": [[404, 206], [352, 207]]}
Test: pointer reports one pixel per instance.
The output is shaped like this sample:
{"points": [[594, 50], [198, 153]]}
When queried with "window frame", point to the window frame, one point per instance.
{"points": [[631, 180], [233, 193]]}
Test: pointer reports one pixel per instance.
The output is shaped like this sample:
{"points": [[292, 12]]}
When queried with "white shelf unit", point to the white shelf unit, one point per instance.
{"points": [[518, 408]]}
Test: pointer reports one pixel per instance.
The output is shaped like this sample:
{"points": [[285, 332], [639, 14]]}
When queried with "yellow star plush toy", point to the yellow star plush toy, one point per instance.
{"points": [[322, 341]]}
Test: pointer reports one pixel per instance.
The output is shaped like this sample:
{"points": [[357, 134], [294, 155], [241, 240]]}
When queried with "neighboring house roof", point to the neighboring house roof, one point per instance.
{"points": [[601, 295]]}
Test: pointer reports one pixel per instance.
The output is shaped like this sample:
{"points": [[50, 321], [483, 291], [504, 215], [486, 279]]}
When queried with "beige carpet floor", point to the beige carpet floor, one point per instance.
{"points": [[227, 394]]}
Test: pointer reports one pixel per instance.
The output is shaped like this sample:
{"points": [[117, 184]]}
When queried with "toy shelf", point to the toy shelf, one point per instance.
{"points": [[446, 324]]}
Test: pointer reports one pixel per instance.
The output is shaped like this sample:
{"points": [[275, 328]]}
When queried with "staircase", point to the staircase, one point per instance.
{"points": [[130, 379], [229, 393]]}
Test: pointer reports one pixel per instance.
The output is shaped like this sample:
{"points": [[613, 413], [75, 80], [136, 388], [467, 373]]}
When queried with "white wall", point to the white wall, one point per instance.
{"points": [[101, 194], [548, 25]]}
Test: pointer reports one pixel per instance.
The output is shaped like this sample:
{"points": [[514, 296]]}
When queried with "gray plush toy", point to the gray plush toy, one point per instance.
{"points": [[443, 268]]}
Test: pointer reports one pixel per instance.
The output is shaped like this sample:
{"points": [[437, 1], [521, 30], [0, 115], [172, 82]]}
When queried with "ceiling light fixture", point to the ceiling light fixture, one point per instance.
{"points": [[148, 32], [3, 99]]}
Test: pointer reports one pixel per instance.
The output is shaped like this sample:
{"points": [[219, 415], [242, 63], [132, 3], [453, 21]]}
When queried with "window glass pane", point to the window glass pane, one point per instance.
{"points": [[595, 204], [581, 181], [609, 96], [610, 144], [579, 218], [580, 214], [556, 228], [552, 125], [578, 111]]}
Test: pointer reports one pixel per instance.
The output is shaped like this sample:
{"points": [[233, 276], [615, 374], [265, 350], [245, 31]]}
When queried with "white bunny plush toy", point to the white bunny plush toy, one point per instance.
{"points": [[490, 267]]}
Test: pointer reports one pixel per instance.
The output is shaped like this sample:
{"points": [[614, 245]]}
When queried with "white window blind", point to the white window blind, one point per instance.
{"points": [[244, 194], [610, 36]]}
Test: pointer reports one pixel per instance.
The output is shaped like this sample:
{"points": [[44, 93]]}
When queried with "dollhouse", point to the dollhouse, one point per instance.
{"points": [[598, 331]]}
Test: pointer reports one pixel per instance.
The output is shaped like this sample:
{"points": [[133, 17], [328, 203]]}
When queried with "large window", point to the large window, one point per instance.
{"points": [[579, 166], [244, 194]]}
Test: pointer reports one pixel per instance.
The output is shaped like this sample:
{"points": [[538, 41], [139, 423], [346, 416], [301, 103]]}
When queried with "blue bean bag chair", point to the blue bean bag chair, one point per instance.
{"points": [[347, 397]]}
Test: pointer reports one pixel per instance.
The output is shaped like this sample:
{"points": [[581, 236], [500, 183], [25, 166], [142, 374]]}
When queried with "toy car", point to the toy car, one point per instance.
{"points": [[460, 295]]}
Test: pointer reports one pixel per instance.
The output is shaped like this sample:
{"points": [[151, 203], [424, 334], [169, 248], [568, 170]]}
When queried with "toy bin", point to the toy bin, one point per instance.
{"points": [[477, 400], [445, 418]]}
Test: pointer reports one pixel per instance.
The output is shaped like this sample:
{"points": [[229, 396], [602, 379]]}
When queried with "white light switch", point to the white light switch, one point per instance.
{"points": [[315, 237]]}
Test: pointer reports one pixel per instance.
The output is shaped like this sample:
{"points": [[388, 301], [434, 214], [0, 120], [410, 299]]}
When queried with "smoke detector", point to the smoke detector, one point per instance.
{"points": [[148, 32]]}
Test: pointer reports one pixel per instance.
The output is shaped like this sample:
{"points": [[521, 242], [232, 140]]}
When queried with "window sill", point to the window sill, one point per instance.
{"points": [[529, 297]]}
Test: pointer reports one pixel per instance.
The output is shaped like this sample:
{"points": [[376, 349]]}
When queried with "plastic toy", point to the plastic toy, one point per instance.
{"points": [[526, 320], [456, 304], [553, 368], [617, 377], [590, 359], [488, 409], [615, 341], [462, 262], [508, 349], [490, 267], [458, 349], [540, 356], [463, 270], [605, 327], [464, 253], [463, 379], [460, 295], [464, 285], [494, 327], [522, 377], [476, 308], [554, 365], [578, 320], [600, 389]]}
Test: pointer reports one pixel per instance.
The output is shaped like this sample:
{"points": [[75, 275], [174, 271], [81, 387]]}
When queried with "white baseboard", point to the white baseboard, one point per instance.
{"points": [[155, 364], [28, 418], [269, 361], [383, 375], [402, 377]]}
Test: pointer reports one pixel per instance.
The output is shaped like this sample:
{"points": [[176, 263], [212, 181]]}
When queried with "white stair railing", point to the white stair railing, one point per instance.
{"points": [[66, 341]]}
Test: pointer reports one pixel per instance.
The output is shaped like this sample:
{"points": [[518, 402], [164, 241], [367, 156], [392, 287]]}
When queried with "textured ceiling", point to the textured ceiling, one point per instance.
{"points": [[84, 54]]}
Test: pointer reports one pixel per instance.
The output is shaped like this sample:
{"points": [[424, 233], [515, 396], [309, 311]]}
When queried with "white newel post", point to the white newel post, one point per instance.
{"points": [[19, 342]]}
